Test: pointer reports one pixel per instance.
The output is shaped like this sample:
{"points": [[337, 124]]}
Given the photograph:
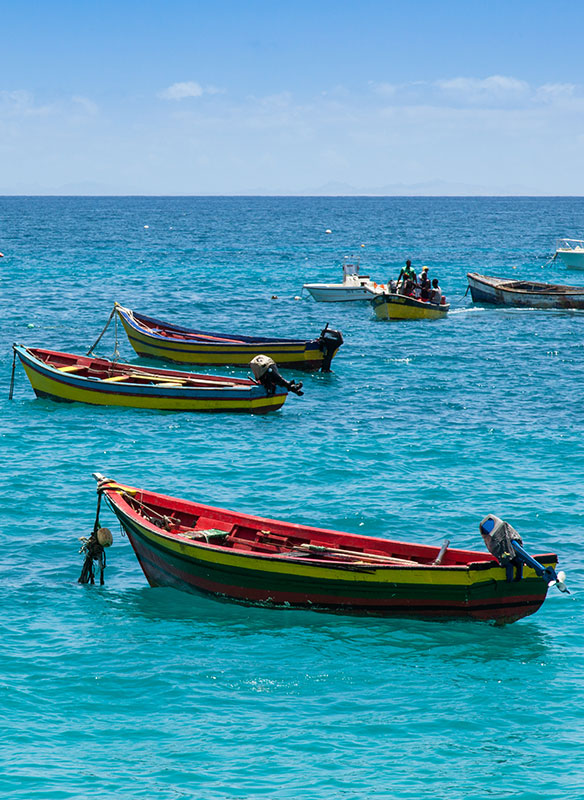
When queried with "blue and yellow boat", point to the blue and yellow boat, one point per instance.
{"points": [[72, 378], [156, 339]]}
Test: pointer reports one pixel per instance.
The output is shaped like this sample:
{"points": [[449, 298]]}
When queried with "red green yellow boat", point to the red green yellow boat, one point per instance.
{"points": [[156, 339], [249, 559]]}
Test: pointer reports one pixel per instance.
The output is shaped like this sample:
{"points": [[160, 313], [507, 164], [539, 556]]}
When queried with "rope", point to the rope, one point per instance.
{"points": [[11, 392], [94, 345], [461, 298], [94, 551], [116, 349], [550, 261]]}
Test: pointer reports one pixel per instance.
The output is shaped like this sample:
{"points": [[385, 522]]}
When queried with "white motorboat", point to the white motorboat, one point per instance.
{"points": [[571, 251], [353, 287]]}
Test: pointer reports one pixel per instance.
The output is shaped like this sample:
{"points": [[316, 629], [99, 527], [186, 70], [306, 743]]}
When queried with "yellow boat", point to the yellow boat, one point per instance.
{"points": [[155, 339], [398, 306], [71, 378]]}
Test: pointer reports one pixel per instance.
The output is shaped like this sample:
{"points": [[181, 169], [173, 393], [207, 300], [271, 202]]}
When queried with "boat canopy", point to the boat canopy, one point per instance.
{"points": [[570, 244]]}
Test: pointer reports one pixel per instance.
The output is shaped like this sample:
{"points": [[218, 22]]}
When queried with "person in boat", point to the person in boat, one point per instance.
{"points": [[408, 279], [435, 292], [424, 284]]}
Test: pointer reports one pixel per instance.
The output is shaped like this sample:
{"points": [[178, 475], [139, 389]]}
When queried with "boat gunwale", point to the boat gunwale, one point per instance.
{"points": [[489, 562], [413, 302], [228, 340], [96, 384], [503, 285]]}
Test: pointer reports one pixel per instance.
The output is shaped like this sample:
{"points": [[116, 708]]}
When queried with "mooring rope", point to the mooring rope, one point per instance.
{"points": [[116, 349], [94, 548], [97, 341], [550, 261], [461, 298], [11, 392]]}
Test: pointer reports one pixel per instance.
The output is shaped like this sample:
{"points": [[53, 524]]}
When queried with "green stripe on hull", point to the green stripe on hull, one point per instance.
{"points": [[345, 589]]}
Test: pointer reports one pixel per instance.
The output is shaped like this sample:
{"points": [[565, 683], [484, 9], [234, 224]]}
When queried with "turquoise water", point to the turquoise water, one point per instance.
{"points": [[422, 429]]}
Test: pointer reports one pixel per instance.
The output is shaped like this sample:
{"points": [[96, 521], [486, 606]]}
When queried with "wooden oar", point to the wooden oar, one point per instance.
{"points": [[324, 550]]}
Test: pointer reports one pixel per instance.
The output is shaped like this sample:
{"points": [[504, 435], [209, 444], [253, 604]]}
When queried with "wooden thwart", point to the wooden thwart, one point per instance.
{"points": [[70, 368]]}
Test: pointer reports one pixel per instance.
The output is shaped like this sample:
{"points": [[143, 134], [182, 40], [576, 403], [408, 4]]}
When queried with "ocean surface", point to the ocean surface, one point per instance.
{"points": [[422, 428]]}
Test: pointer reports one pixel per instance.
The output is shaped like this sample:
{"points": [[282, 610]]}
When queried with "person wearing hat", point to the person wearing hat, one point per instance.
{"points": [[424, 284]]}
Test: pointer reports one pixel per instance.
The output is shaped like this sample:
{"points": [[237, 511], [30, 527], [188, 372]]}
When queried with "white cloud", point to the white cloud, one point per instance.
{"points": [[213, 90], [384, 89], [19, 102], [281, 100], [180, 91], [86, 104], [495, 91], [498, 86], [555, 91]]}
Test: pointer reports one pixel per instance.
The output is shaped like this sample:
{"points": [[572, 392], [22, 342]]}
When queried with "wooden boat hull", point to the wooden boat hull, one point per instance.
{"points": [[181, 347], [397, 306], [475, 590], [242, 396], [501, 292]]}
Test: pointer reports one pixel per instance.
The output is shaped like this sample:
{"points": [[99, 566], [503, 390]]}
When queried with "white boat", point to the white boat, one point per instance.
{"points": [[571, 251], [353, 287]]}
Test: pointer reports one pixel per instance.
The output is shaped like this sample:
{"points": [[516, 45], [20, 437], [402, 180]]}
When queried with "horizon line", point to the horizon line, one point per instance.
{"points": [[297, 196]]}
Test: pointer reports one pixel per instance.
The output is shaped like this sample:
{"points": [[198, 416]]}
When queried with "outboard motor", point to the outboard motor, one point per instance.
{"points": [[498, 537], [266, 372], [329, 342], [503, 541]]}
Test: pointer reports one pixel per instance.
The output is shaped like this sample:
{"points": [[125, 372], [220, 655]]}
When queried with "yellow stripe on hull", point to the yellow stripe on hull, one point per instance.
{"points": [[397, 310], [224, 354], [48, 386], [424, 576]]}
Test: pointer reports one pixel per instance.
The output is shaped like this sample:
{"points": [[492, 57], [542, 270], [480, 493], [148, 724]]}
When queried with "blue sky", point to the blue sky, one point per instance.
{"points": [[291, 97]]}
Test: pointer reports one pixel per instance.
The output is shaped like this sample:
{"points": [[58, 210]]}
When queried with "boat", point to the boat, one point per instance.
{"points": [[571, 252], [155, 339], [392, 305], [70, 378], [254, 560], [353, 287], [526, 294]]}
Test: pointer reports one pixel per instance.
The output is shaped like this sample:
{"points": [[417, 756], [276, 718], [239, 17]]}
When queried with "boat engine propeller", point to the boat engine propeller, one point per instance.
{"points": [[329, 342], [503, 541], [266, 372]]}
